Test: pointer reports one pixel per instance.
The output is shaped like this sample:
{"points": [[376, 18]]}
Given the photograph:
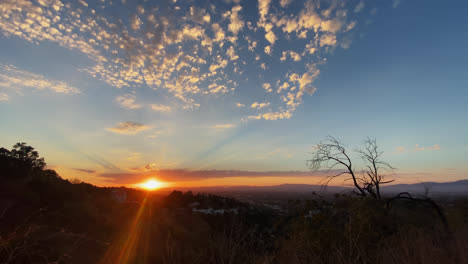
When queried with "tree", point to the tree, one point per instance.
{"points": [[372, 179], [331, 154], [28, 156], [20, 162]]}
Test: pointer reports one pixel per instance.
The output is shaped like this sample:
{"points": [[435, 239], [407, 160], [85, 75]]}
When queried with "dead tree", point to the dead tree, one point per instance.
{"points": [[372, 177], [331, 154]]}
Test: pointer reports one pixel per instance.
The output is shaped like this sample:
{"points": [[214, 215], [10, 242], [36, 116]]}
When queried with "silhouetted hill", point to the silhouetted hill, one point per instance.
{"points": [[436, 188]]}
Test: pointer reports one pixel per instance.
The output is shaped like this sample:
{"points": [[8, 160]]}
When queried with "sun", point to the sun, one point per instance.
{"points": [[151, 184]]}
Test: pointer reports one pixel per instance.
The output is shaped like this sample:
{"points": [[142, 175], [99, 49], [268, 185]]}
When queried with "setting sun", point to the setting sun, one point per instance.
{"points": [[151, 184]]}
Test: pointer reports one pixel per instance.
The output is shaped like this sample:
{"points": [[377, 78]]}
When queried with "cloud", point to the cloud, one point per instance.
{"points": [[293, 55], [240, 105], [271, 37], [85, 171], [189, 51], [401, 149], [15, 79], [128, 128], [396, 3], [4, 97], [273, 115], [263, 7], [236, 22], [231, 53], [259, 105], [161, 108], [284, 3], [434, 147], [199, 15], [359, 7], [128, 101], [327, 39], [176, 175], [417, 148], [267, 87], [155, 134], [223, 126]]}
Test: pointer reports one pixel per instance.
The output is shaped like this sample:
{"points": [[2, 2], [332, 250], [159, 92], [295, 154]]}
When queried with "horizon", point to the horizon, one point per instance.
{"points": [[233, 93]]}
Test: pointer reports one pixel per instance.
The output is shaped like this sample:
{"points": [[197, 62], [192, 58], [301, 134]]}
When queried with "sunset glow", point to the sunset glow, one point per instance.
{"points": [[151, 185], [232, 92]]}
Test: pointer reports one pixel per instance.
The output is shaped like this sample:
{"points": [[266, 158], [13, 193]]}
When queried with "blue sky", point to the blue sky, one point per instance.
{"points": [[110, 91]]}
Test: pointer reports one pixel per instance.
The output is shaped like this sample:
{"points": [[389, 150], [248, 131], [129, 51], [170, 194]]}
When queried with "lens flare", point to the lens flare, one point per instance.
{"points": [[151, 184]]}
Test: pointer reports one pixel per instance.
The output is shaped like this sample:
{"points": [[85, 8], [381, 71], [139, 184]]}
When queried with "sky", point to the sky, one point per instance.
{"points": [[203, 93]]}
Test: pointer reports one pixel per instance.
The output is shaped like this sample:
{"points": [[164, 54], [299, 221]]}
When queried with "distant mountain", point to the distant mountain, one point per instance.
{"points": [[457, 188]]}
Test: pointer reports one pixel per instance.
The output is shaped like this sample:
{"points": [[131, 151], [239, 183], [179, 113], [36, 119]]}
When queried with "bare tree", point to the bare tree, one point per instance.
{"points": [[372, 177], [331, 154]]}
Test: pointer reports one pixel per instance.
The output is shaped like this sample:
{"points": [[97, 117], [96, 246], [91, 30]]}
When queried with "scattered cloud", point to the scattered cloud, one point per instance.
{"points": [[417, 148], [240, 105], [434, 147], [4, 97], [267, 87], [259, 105], [190, 57], [161, 108], [359, 7], [396, 3], [285, 3], [400, 149], [128, 101], [15, 79], [236, 22], [129, 128], [155, 134], [223, 126]]}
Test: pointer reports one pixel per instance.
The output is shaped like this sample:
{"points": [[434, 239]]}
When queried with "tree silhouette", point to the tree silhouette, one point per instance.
{"points": [[20, 162], [331, 153]]}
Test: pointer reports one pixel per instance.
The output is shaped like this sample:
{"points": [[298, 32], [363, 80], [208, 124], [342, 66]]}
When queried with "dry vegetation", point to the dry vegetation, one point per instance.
{"points": [[45, 219]]}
